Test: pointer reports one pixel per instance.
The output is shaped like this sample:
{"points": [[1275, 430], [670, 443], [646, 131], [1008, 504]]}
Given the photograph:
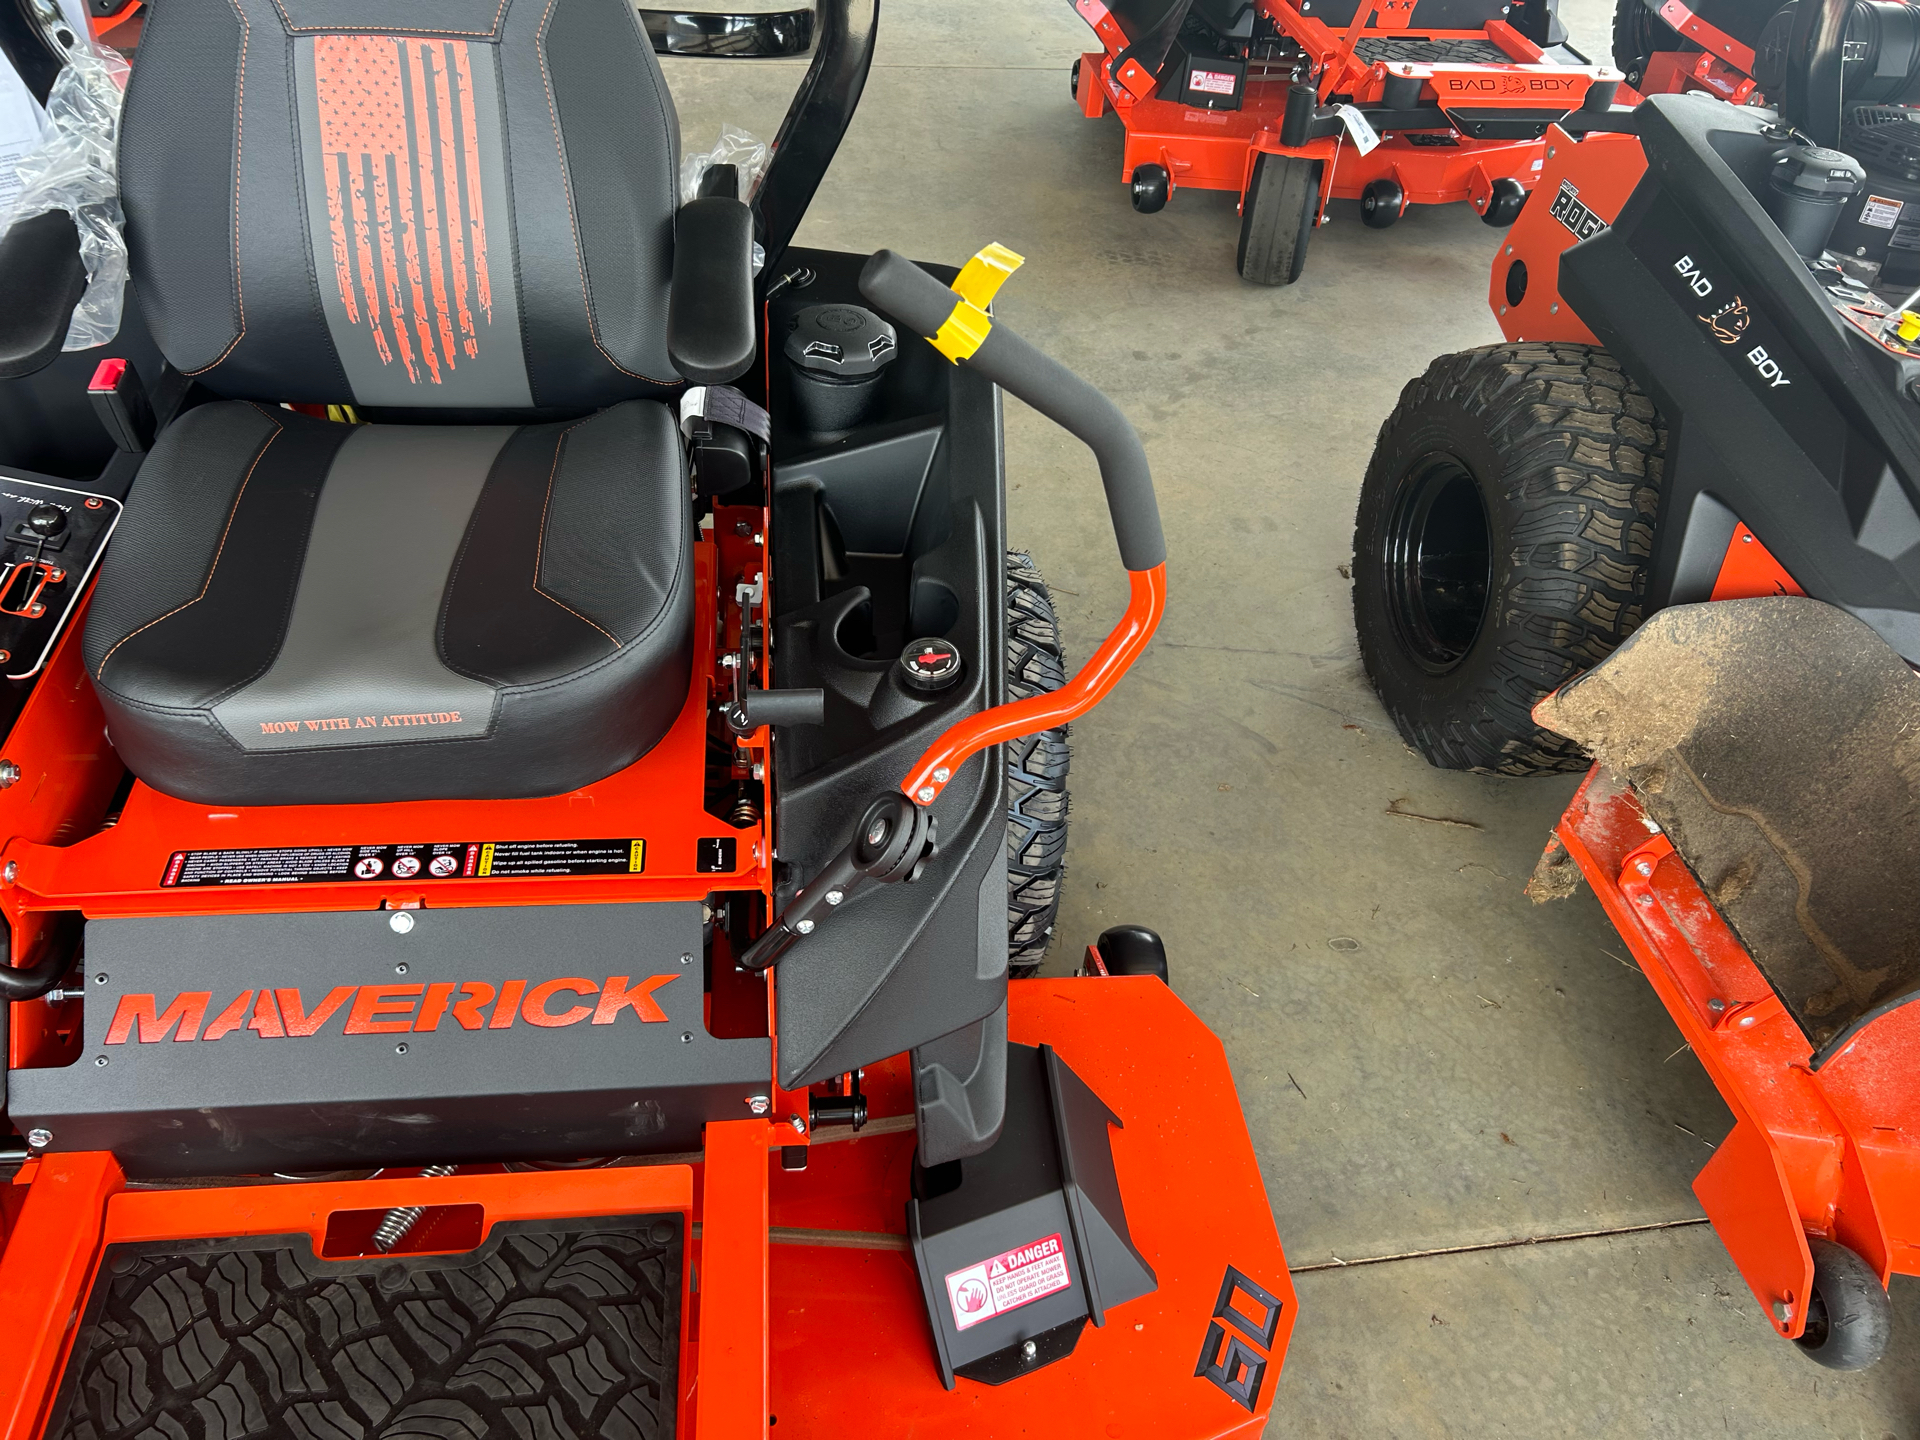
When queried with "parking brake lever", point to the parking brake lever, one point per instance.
{"points": [[895, 840]]}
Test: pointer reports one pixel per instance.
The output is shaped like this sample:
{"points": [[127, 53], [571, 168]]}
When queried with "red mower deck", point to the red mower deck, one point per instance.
{"points": [[1385, 109]]}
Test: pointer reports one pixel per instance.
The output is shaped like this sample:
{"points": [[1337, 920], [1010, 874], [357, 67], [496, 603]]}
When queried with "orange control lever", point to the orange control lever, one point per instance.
{"points": [[1087, 689]]}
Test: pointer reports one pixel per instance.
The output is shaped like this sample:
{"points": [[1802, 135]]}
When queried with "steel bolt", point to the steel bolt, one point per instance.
{"points": [[401, 922], [13, 869], [926, 798], [9, 774], [942, 774], [686, 1037], [101, 1061], [686, 959], [1716, 1005], [877, 832], [759, 1104], [1782, 1309], [759, 771], [101, 978], [1029, 1350], [804, 927], [401, 1048], [39, 1139], [1643, 867], [799, 1125], [834, 897], [401, 968]]}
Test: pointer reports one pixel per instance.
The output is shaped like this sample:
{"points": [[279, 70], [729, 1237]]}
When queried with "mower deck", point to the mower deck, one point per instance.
{"points": [[821, 1252], [1832, 1154], [1456, 110]]}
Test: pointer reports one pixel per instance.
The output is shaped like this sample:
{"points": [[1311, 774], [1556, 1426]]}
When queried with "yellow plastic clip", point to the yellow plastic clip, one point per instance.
{"points": [[1908, 327], [965, 330]]}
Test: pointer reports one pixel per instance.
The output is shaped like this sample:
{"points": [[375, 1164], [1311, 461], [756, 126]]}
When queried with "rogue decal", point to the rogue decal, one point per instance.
{"points": [[1572, 212], [276, 1014]]}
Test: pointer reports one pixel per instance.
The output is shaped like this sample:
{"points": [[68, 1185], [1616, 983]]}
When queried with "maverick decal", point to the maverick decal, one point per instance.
{"points": [[281, 1013], [1571, 212], [452, 860], [1237, 1363]]}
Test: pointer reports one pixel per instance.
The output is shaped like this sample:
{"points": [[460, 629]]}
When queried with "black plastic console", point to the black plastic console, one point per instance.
{"points": [[884, 535]]}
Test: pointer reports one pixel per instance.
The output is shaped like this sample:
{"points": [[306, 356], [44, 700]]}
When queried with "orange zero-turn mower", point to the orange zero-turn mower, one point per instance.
{"points": [[1288, 106], [505, 806], [1670, 528]]}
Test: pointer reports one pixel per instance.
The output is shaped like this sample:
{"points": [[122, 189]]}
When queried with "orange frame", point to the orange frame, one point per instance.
{"points": [[1833, 1154]]}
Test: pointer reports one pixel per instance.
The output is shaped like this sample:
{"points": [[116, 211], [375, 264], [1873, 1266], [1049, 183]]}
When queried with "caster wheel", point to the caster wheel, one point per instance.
{"points": [[1382, 203], [1132, 950], [1152, 187], [1504, 208], [1073, 82], [1849, 1317]]}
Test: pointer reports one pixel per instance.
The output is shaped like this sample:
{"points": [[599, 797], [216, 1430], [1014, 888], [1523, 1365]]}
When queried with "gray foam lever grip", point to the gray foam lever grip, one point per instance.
{"points": [[921, 303]]}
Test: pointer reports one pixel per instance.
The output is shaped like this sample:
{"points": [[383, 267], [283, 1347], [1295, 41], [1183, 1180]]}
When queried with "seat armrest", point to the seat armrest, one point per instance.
{"points": [[41, 280], [710, 328]]}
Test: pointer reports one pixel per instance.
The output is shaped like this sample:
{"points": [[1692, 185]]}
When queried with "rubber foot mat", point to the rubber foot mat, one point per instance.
{"points": [[550, 1330], [1421, 51]]}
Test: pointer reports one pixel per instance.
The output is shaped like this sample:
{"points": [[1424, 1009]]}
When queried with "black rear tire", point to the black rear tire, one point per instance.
{"points": [[1849, 1317], [1036, 772], [1637, 34], [1501, 546], [1276, 219]]}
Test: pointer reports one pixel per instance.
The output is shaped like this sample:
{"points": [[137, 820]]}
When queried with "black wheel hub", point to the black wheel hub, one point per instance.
{"points": [[1439, 562]]}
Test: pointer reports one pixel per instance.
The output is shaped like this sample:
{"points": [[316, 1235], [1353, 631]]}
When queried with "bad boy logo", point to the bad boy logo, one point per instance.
{"points": [[1729, 322]]}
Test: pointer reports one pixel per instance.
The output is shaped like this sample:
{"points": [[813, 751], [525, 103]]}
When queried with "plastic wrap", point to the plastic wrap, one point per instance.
{"points": [[735, 147], [74, 170]]}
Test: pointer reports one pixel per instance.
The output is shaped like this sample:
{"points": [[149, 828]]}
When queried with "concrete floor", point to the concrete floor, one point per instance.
{"points": [[1426, 1060]]}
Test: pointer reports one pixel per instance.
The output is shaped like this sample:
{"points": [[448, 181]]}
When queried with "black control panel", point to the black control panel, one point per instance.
{"points": [[51, 538]]}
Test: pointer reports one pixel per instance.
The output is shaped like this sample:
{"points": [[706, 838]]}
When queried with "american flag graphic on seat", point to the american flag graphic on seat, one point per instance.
{"points": [[406, 223]]}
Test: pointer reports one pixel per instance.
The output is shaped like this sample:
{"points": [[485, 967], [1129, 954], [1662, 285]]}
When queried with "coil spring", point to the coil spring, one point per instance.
{"points": [[395, 1224], [743, 812]]}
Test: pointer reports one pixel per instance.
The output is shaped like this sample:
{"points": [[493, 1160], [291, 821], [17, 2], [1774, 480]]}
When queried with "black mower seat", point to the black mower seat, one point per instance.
{"points": [[302, 611], [469, 219]]}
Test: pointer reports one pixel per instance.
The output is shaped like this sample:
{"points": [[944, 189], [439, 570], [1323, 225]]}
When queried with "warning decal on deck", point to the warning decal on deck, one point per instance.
{"points": [[461, 860], [1007, 1281]]}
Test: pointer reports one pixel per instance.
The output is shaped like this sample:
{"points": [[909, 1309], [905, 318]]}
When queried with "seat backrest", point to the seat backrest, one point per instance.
{"points": [[447, 203]]}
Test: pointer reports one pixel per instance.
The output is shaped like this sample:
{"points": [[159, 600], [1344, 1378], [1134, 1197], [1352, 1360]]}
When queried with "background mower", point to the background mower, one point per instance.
{"points": [[1698, 413], [1289, 106], [505, 836]]}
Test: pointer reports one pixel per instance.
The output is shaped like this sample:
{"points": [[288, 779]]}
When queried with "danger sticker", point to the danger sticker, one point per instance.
{"points": [[1880, 212], [465, 860], [1007, 1281], [1212, 82]]}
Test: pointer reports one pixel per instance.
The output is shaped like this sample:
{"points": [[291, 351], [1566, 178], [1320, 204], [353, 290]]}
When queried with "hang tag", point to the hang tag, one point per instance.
{"points": [[1365, 137]]}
